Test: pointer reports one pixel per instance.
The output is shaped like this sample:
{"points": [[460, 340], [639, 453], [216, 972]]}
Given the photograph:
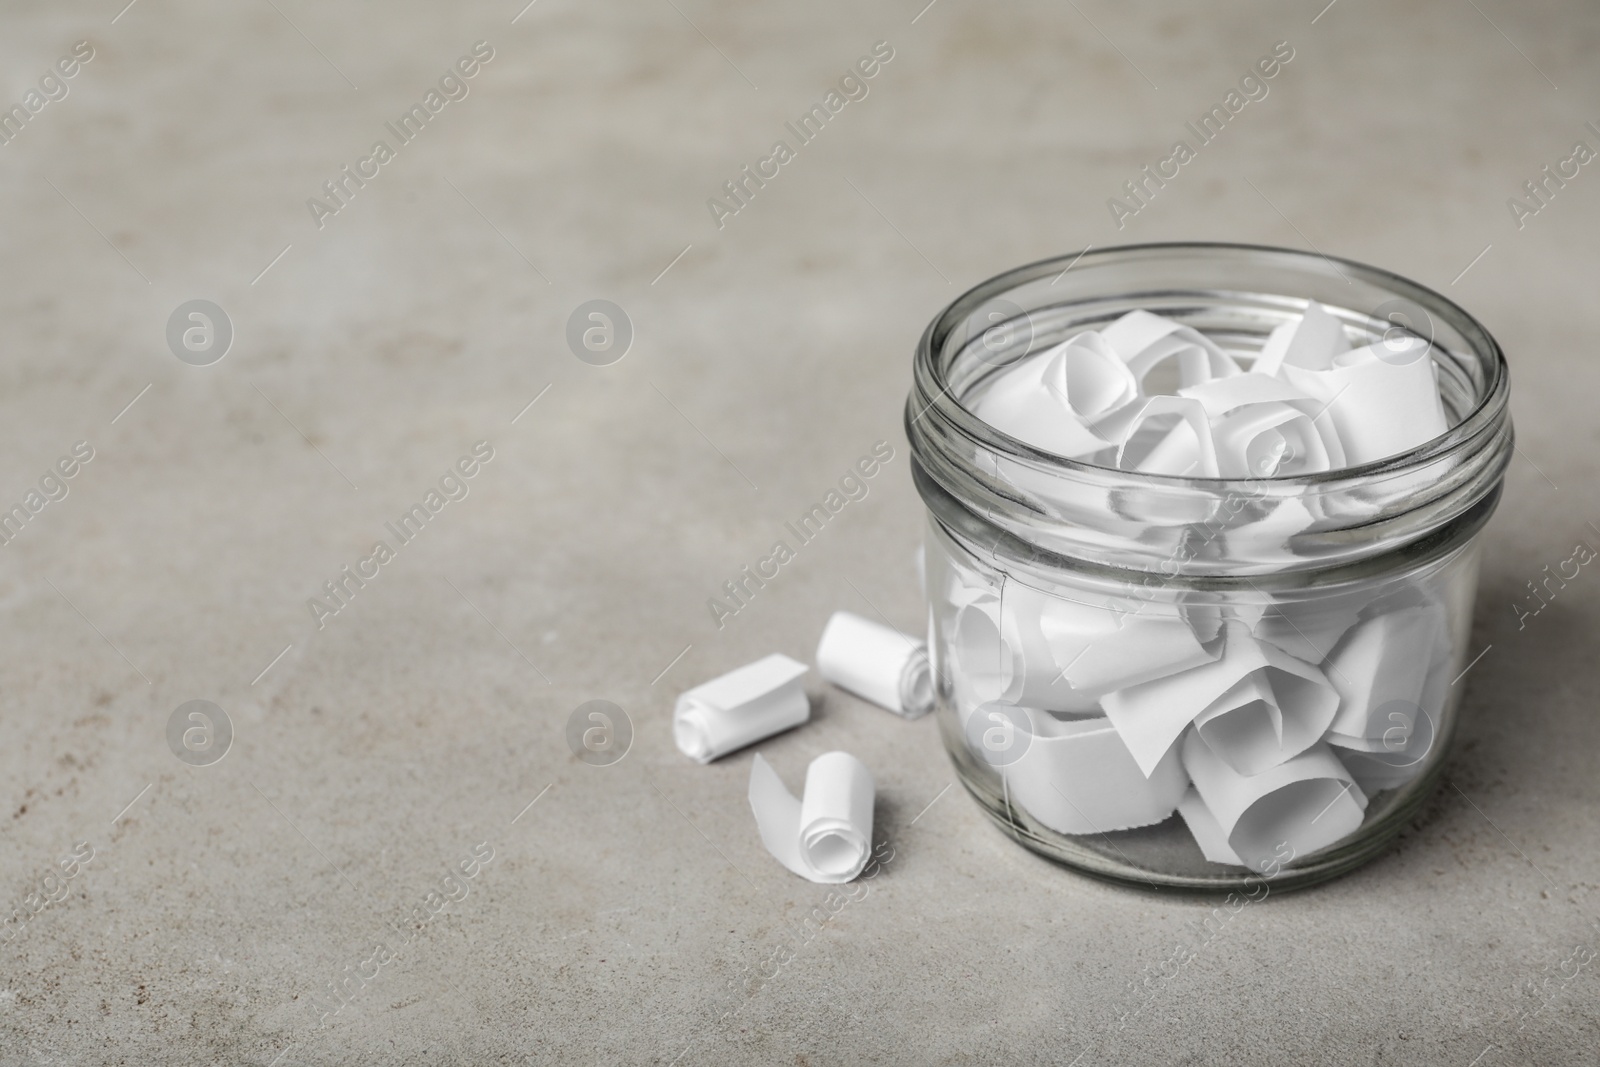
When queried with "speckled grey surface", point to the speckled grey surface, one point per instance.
{"points": [[631, 916]]}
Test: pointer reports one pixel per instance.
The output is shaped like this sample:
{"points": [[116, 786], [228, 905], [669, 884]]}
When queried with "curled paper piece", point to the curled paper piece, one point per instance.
{"points": [[1145, 341], [1263, 427], [876, 663], [1312, 342], [976, 653], [1382, 399], [1077, 777], [1063, 656], [1307, 631], [1050, 399], [1382, 662], [1409, 730], [740, 708], [1169, 435], [1259, 705], [1205, 829], [1307, 802], [827, 835]]}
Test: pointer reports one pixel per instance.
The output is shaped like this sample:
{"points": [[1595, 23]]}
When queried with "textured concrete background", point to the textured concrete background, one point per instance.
{"points": [[631, 915]]}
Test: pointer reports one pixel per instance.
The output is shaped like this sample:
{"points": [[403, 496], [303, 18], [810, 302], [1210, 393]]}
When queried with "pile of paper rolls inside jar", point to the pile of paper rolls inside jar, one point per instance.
{"points": [[1265, 722]]}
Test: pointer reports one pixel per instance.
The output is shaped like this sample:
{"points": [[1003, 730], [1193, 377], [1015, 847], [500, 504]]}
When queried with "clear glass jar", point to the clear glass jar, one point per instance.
{"points": [[1062, 593]]}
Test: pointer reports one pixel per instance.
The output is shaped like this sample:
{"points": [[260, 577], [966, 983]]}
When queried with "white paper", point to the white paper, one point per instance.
{"points": [[1145, 340], [1077, 777], [1307, 630], [975, 653], [1048, 399], [1263, 427], [1306, 803], [1381, 661], [1151, 716], [740, 708], [1169, 435], [1063, 656], [876, 663], [1382, 399], [827, 835], [1311, 343], [1207, 832]]}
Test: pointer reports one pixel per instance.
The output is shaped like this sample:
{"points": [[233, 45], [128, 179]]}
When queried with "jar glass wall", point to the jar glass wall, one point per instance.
{"points": [[1099, 636]]}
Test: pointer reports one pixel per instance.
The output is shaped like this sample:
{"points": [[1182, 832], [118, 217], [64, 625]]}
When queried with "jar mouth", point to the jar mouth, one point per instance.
{"points": [[1237, 290]]}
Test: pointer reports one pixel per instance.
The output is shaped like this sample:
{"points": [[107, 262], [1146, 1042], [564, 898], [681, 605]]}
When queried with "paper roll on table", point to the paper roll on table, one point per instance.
{"points": [[740, 708], [826, 836], [876, 663]]}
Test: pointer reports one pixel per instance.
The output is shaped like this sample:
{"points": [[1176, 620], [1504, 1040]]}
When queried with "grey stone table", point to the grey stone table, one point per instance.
{"points": [[391, 309]]}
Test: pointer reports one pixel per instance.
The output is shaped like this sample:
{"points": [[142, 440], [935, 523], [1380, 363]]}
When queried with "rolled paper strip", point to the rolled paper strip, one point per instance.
{"points": [[1309, 631], [1264, 427], [1077, 777], [1244, 719], [1169, 435], [1205, 829], [1031, 672], [1382, 399], [1089, 377], [1311, 343], [1382, 660], [1144, 340], [1306, 803], [740, 708], [975, 654], [876, 663], [1062, 655], [1030, 400], [826, 836]]}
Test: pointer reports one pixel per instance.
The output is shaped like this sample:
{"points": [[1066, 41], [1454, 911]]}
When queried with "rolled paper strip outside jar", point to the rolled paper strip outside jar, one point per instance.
{"points": [[1152, 716], [1307, 803], [1144, 341], [1383, 399], [826, 836], [1077, 777], [876, 663], [740, 708]]}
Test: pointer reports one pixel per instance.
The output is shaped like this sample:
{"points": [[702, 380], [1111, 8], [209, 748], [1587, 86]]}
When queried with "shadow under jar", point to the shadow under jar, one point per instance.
{"points": [[1061, 593]]}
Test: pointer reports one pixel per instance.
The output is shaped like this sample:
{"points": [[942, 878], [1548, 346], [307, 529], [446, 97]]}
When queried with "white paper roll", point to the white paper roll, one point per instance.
{"points": [[1307, 802], [1145, 341], [1205, 829], [1052, 399], [1381, 662], [1383, 399], [1063, 656], [1169, 435], [740, 708], [1259, 703], [876, 663], [1077, 777], [1311, 343], [826, 836]]}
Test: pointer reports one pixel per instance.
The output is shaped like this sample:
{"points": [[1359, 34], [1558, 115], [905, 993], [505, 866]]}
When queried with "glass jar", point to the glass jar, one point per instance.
{"points": [[1098, 637]]}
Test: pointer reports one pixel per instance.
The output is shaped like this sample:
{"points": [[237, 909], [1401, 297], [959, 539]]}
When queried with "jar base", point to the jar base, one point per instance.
{"points": [[1172, 860]]}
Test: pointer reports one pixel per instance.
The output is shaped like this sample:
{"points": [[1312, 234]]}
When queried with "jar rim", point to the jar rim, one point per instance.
{"points": [[1476, 425], [1128, 519]]}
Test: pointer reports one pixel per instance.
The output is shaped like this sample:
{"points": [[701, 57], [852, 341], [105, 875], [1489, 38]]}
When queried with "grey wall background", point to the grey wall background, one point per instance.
{"points": [[624, 914]]}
